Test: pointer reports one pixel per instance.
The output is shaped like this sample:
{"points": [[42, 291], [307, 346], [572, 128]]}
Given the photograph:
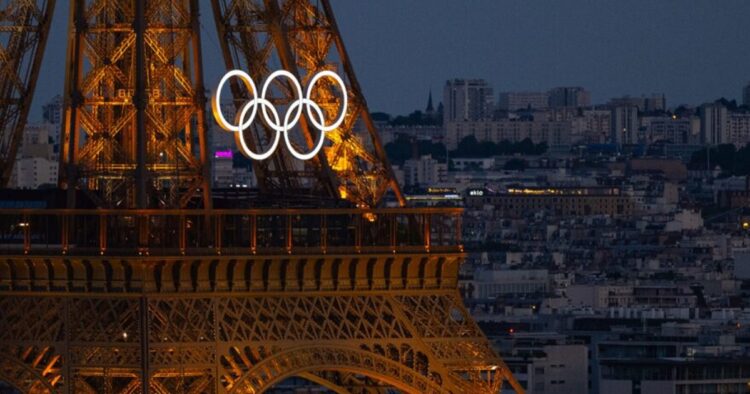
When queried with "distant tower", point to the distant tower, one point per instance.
{"points": [[624, 126], [430, 110], [714, 124], [746, 95], [467, 100]]}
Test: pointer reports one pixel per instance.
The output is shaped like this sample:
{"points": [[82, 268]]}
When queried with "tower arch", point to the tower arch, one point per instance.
{"points": [[305, 360]]}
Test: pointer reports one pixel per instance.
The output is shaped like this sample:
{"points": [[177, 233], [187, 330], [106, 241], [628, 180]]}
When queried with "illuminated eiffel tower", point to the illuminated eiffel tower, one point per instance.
{"points": [[140, 284]]}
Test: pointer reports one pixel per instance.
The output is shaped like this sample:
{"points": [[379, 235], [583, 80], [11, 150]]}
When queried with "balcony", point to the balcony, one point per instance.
{"points": [[160, 232]]}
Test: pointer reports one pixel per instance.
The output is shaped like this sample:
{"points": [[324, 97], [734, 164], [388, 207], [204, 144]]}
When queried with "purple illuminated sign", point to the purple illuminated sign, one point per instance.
{"points": [[223, 154]]}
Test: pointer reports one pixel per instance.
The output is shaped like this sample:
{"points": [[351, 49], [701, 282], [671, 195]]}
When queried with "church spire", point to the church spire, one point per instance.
{"points": [[430, 109]]}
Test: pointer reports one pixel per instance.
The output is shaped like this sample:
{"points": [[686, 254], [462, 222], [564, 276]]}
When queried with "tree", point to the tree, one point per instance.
{"points": [[399, 150], [404, 148], [380, 117], [541, 148], [468, 147], [730, 160], [525, 147]]}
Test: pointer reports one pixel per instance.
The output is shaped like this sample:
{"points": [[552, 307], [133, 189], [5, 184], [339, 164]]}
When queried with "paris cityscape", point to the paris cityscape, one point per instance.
{"points": [[492, 237]]}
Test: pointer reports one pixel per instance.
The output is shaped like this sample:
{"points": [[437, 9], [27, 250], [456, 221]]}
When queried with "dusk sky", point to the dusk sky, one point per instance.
{"points": [[693, 51]]}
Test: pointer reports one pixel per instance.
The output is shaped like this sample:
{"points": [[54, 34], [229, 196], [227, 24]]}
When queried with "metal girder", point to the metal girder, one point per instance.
{"points": [[303, 38], [24, 32], [135, 105], [222, 301], [238, 324]]}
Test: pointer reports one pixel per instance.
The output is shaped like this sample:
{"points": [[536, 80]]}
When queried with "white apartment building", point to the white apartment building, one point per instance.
{"points": [[599, 296], [625, 125], [467, 100], [424, 171], [592, 127], [669, 130], [739, 129], [554, 368], [33, 172], [426, 133], [36, 162], [654, 102], [492, 282], [714, 124], [514, 101], [569, 96]]}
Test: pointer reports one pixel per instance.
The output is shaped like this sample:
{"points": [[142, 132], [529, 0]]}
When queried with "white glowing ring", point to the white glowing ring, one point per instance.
{"points": [[216, 105], [273, 120], [321, 126]]}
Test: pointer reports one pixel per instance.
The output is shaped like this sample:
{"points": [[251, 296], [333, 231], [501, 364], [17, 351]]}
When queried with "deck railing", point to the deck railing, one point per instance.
{"points": [[158, 232]]}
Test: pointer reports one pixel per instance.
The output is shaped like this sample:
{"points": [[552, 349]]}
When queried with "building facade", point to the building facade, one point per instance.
{"points": [[669, 130], [566, 201], [569, 96], [552, 132], [625, 125], [467, 100], [514, 101], [714, 124], [36, 161], [675, 375], [424, 171], [739, 129]]}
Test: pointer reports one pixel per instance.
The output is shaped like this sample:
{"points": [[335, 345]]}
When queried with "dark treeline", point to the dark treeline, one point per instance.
{"points": [[416, 118], [404, 148], [730, 160]]}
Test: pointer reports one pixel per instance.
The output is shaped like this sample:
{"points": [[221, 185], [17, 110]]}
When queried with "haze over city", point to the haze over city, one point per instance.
{"points": [[692, 52]]}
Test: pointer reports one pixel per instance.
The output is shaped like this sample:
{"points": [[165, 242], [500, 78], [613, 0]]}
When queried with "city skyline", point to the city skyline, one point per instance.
{"points": [[663, 48]]}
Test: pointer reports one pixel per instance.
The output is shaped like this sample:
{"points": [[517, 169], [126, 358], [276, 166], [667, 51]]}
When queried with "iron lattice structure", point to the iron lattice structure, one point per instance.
{"points": [[24, 27], [324, 294], [302, 36], [143, 295], [134, 104]]}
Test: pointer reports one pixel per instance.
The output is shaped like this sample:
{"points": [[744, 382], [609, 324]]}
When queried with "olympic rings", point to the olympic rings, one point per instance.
{"points": [[271, 116]]}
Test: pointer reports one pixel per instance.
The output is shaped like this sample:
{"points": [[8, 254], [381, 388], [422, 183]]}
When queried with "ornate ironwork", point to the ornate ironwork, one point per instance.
{"points": [[24, 28], [241, 324], [135, 105], [144, 295], [302, 36]]}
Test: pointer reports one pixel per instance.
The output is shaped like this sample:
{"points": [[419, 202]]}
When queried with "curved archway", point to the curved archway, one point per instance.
{"points": [[306, 359], [22, 377], [322, 381]]}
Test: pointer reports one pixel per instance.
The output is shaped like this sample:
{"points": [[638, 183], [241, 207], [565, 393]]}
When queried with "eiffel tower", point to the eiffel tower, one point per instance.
{"points": [[143, 280]]}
